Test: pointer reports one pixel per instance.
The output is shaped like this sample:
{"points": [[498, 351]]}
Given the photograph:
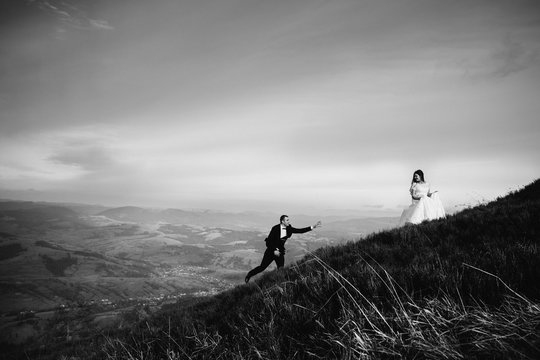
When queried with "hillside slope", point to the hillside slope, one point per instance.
{"points": [[467, 286]]}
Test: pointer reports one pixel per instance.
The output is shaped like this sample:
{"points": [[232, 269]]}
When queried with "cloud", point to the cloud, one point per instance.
{"points": [[71, 14], [508, 57], [514, 57], [308, 102], [47, 158], [89, 158], [100, 24], [89, 148]]}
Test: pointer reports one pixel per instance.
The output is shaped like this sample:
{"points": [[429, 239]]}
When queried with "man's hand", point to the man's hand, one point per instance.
{"points": [[277, 253], [319, 223]]}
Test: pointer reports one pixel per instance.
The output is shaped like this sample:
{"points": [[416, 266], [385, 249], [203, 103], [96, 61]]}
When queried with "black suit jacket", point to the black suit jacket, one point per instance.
{"points": [[274, 240]]}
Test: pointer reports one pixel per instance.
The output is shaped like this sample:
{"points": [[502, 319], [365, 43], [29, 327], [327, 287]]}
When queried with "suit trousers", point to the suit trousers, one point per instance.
{"points": [[268, 257]]}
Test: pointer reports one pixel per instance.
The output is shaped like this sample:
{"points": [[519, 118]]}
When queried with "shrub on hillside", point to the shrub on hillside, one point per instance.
{"points": [[10, 251], [58, 266]]}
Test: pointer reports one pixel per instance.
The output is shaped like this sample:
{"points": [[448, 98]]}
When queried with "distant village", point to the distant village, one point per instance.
{"points": [[106, 304]]}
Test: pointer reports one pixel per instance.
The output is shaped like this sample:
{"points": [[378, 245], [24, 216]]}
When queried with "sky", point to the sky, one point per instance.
{"points": [[309, 106]]}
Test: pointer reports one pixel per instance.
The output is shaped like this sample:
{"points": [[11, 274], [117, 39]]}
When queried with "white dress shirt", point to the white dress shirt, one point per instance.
{"points": [[283, 232]]}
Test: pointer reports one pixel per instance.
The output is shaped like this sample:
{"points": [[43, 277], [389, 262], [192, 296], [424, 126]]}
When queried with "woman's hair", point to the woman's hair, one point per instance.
{"points": [[420, 173]]}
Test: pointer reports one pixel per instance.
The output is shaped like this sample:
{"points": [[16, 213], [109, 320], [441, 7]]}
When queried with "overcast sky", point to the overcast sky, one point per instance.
{"points": [[282, 105]]}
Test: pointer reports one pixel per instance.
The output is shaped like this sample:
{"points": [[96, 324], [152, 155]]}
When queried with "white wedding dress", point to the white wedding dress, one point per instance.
{"points": [[427, 207]]}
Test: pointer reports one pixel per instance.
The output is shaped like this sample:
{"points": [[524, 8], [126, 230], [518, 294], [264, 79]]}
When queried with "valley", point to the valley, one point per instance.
{"points": [[59, 259]]}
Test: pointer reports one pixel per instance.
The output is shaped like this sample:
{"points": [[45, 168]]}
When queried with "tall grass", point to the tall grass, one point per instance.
{"points": [[327, 317]]}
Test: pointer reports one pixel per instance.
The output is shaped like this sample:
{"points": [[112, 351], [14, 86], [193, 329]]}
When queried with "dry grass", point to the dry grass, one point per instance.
{"points": [[434, 328]]}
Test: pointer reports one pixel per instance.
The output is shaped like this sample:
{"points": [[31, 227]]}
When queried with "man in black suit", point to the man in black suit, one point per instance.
{"points": [[275, 244]]}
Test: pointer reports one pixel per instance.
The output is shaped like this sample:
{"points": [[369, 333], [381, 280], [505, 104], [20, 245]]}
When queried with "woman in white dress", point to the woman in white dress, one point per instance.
{"points": [[425, 204]]}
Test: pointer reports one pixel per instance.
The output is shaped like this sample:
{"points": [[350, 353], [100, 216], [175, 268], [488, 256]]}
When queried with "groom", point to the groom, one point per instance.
{"points": [[275, 244]]}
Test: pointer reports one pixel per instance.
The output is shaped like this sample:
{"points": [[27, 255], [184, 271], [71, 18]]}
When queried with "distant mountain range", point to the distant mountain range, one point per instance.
{"points": [[231, 220], [244, 220]]}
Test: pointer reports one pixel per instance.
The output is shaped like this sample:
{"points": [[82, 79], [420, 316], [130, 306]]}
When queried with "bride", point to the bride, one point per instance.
{"points": [[425, 205]]}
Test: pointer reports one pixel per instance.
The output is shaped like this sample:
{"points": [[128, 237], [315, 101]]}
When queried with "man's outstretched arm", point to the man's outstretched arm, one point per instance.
{"points": [[306, 229]]}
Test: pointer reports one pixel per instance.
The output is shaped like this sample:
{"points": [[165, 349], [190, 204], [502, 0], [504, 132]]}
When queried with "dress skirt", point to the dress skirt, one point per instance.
{"points": [[426, 208]]}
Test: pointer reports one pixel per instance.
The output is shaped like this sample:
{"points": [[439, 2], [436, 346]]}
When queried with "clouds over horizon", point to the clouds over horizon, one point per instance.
{"points": [[326, 103]]}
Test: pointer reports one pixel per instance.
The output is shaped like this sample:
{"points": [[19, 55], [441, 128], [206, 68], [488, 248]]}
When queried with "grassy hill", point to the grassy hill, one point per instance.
{"points": [[465, 287]]}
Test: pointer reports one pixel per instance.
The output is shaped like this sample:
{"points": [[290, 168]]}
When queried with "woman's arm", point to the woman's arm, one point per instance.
{"points": [[412, 190]]}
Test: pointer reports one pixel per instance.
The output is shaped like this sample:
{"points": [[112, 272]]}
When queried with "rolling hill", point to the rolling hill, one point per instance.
{"points": [[467, 286]]}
